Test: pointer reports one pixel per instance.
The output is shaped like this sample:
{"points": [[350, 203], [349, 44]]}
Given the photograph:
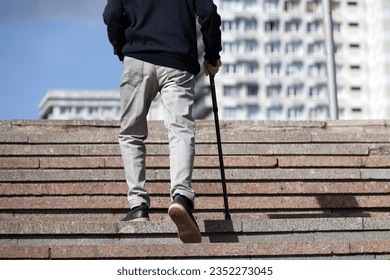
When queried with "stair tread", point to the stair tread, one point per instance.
{"points": [[203, 250], [203, 203], [206, 226], [201, 188]]}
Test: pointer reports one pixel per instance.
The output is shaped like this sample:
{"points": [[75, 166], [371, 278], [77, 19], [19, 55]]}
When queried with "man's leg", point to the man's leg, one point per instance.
{"points": [[138, 89], [177, 95]]}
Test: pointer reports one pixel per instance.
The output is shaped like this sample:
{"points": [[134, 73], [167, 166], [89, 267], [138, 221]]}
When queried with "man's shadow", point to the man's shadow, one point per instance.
{"points": [[330, 206], [222, 231]]}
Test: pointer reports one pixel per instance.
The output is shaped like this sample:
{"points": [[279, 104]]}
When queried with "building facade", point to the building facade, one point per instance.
{"points": [[274, 59], [378, 58], [80, 105]]}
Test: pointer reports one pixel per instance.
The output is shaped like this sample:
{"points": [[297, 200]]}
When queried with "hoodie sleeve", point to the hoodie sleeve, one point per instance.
{"points": [[115, 18], [210, 22]]}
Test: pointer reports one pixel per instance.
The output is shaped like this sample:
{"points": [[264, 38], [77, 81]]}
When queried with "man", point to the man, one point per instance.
{"points": [[157, 42]]}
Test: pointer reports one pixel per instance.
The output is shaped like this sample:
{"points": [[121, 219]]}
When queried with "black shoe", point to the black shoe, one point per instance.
{"points": [[138, 214], [180, 212]]}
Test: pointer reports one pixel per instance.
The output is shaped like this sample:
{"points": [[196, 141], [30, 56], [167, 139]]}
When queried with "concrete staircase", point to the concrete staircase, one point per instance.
{"points": [[297, 190]]}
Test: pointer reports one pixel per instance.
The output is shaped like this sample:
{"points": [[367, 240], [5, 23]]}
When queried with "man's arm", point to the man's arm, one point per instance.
{"points": [[115, 19], [210, 22]]}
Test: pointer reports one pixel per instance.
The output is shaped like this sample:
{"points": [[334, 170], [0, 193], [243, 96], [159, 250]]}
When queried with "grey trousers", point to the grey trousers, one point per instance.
{"points": [[140, 84]]}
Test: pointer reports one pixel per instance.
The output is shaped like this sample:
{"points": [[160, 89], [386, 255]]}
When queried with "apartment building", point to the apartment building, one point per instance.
{"points": [[274, 59], [80, 105]]}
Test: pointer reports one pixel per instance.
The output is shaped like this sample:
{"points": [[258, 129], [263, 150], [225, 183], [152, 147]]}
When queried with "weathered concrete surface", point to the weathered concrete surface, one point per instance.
{"points": [[296, 190]]}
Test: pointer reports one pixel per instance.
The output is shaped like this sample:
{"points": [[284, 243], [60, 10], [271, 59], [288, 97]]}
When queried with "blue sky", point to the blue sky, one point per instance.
{"points": [[47, 44]]}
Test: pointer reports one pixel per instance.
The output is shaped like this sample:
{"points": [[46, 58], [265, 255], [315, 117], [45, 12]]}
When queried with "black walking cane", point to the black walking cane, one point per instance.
{"points": [[216, 119]]}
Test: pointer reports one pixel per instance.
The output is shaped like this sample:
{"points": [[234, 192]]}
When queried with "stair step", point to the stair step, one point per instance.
{"points": [[201, 149], [206, 226], [210, 161], [89, 162], [202, 203], [198, 174], [254, 131], [285, 250], [201, 188]]}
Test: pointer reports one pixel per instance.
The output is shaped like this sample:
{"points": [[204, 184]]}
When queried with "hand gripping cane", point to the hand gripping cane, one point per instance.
{"points": [[216, 119]]}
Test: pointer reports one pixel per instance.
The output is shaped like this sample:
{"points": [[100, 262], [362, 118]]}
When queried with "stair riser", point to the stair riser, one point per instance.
{"points": [[201, 149], [257, 174], [203, 203], [200, 162], [201, 188]]}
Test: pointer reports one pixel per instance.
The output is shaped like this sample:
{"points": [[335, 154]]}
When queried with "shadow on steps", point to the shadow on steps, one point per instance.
{"points": [[221, 231]]}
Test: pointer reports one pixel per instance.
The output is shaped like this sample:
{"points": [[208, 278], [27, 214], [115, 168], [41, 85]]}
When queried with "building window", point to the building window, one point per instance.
{"points": [[340, 90], [79, 110], [251, 46], [250, 3], [355, 67], [274, 90], [295, 112], [230, 4], [335, 5], [313, 6], [271, 5], [251, 67], [319, 112], [230, 113], [291, 5], [93, 110], [273, 69], [293, 25], [294, 90], [230, 68], [354, 46], [293, 47], [314, 26], [271, 26], [356, 88], [231, 47], [294, 68], [66, 110], [316, 47], [253, 90], [338, 48], [274, 112], [336, 26], [272, 47], [230, 25], [231, 91], [253, 112], [320, 90], [317, 69], [106, 110], [251, 25], [339, 69]]}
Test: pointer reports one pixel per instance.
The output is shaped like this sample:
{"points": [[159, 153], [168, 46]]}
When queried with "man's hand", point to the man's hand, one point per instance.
{"points": [[211, 68]]}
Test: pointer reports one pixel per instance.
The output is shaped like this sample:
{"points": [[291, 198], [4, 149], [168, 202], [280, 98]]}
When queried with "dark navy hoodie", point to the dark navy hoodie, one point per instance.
{"points": [[163, 32]]}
